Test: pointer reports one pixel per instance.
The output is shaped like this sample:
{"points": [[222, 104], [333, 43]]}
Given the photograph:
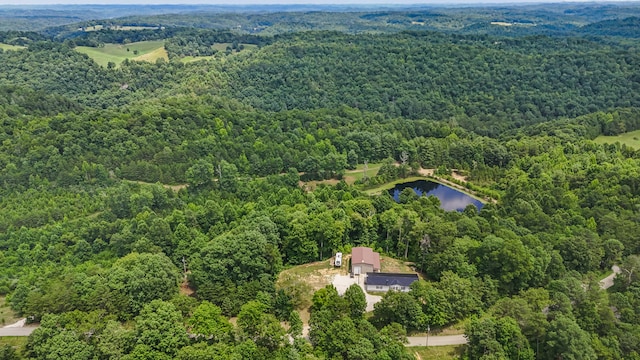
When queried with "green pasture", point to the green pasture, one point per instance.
{"points": [[10, 47], [631, 139], [117, 53]]}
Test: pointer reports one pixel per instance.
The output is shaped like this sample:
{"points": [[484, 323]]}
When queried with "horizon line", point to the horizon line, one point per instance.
{"points": [[268, 3]]}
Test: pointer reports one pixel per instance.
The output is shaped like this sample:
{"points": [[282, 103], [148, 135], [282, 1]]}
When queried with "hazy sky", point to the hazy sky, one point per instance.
{"points": [[265, 2]]}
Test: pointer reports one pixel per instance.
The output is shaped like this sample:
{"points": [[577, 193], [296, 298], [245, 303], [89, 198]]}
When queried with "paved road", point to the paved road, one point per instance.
{"points": [[608, 281], [437, 340], [17, 331]]}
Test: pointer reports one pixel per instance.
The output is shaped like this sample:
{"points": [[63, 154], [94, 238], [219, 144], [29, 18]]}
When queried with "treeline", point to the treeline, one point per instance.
{"points": [[20, 38], [486, 84]]}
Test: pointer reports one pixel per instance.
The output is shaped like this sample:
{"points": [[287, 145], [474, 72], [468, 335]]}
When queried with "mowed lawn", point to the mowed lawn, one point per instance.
{"points": [[631, 139], [10, 47], [117, 53], [438, 352]]}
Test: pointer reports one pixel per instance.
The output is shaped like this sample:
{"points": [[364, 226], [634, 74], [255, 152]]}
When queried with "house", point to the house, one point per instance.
{"points": [[364, 260], [338, 260], [389, 281]]}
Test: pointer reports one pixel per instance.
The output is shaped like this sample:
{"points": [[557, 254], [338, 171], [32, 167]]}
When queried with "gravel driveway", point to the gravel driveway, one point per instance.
{"points": [[342, 283]]}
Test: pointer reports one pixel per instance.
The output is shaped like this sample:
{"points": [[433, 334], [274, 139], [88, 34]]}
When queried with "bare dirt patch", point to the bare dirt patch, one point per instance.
{"points": [[186, 289], [456, 174]]}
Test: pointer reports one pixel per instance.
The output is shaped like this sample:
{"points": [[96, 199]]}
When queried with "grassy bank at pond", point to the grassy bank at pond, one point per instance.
{"points": [[117, 53], [631, 139]]}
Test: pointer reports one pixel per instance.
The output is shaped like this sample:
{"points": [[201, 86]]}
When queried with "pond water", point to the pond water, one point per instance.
{"points": [[450, 199]]}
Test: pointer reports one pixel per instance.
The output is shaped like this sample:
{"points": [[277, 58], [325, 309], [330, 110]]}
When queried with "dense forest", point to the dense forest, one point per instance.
{"points": [[149, 209]]}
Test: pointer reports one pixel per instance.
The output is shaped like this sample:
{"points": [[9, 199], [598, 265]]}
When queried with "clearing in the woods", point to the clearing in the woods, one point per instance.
{"points": [[631, 139], [117, 53]]}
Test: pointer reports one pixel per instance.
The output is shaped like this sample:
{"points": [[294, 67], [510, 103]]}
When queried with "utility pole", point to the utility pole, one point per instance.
{"points": [[428, 330], [364, 170]]}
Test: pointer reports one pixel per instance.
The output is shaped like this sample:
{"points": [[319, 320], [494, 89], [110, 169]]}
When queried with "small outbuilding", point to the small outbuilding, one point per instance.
{"points": [[364, 260], [389, 281]]}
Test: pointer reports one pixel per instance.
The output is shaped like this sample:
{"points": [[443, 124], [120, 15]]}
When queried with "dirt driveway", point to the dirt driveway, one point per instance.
{"points": [[342, 283]]}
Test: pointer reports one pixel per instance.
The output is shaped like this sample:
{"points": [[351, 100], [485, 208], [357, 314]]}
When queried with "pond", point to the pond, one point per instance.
{"points": [[450, 199]]}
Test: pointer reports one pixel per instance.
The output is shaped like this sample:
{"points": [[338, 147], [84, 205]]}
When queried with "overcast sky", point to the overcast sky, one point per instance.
{"points": [[265, 2]]}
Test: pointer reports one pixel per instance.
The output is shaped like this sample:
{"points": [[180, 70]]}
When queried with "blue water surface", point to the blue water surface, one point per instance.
{"points": [[450, 199]]}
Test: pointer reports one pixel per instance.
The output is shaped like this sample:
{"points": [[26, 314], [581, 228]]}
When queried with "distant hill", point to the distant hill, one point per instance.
{"points": [[628, 28]]}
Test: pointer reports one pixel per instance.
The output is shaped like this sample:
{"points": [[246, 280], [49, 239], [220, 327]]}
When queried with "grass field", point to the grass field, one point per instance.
{"points": [[438, 352], [17, 342], [10, 47], [353, 175], [317, 274], [631, 139], [350, 176], [7, 316], [221, 47], [117, 53], [392, 265], [453, 329]]}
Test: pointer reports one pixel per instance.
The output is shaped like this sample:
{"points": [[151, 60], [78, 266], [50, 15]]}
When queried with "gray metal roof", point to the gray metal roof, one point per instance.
{"points": [[390, 279]]}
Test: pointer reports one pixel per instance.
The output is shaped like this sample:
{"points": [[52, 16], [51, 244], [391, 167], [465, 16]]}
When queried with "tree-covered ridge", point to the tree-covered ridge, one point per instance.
{"points": [[484, 83]]}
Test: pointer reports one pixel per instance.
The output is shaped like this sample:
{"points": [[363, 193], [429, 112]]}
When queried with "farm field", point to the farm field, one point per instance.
{"points": [[10, 47], [117, 53], [631, 139]]}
